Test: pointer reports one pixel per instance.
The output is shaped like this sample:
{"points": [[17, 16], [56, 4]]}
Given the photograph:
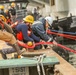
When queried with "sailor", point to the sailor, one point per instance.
{"points": [[2, 10], [25, 30], [39, 28], [9, 38], [8, 17], [12, 12]]}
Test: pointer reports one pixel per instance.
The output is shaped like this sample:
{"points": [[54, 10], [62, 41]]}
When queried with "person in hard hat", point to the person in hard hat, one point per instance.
{"points": [[39, 28], [2, 10], [8, 37], [12, 12], [24, 31], [8, 16]]}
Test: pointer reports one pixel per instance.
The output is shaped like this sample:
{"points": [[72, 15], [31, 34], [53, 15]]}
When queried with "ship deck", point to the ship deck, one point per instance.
{"points": [[63, 68]]}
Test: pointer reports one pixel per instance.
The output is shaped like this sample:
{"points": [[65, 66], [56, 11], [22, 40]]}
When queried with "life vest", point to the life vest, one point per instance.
{"points": [[19, 35]]}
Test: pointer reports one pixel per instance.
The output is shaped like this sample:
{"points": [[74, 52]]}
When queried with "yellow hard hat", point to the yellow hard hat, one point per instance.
{"points": [[1, 7], [3, 18], [30, 43], [29, 19], [13, 4]]}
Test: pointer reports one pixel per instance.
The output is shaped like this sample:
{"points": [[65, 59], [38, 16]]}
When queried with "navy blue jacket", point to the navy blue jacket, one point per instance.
{"points": [[38, 28]]}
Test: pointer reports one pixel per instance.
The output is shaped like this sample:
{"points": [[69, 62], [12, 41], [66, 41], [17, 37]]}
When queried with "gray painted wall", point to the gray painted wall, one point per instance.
{"points": [[61, 5]]}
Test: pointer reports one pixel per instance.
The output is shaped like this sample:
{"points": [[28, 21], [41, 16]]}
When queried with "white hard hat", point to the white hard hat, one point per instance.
{"points": [[49, 20]]}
